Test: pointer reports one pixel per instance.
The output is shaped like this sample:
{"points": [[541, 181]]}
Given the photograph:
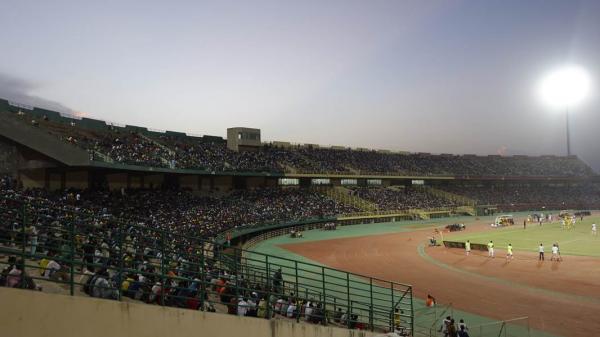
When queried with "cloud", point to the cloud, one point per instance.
{"points": [[20, 91]]}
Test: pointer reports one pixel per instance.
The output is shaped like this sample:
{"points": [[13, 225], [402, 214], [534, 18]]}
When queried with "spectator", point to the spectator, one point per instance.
{"points": [[337, 317], [15, 274], [242, 307], [291, 310], [452, 329], [277, 281], [101, 287], [308, 311], [262, 308], [462, 325], [430, 302]]}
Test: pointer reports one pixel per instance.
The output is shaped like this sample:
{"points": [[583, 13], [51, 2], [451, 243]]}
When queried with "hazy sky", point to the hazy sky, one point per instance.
{"points": [[431, 76]]}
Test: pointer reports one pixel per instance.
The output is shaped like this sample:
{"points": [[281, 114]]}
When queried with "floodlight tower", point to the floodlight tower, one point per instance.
{"points": [[564, 88]]}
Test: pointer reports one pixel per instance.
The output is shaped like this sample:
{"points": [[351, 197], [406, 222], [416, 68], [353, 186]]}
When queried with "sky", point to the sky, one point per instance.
{"points": [[421, 76]]}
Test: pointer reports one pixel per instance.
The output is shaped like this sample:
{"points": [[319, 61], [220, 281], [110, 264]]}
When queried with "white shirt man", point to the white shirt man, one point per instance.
{"points": [[291, 310], [105, 250], [51, 268], [554, 253], [156, 289], [308, 311], [242, 307], [344, 318], [279, 305], [541, 251], [251, 305], [102, 288], [33, 236], [444, 327], [594, 229]]}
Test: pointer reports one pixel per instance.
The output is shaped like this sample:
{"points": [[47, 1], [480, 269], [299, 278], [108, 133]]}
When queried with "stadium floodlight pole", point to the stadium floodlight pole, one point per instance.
{"points": [[568, 134], [564, 88]]}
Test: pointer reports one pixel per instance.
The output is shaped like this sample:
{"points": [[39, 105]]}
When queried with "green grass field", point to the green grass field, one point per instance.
{"points": [[577, 241]]}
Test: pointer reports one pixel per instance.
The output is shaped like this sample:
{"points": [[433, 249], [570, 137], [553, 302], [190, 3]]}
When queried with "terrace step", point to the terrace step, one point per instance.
{"points": [[157, 143], [459, 199], [345, 196]]}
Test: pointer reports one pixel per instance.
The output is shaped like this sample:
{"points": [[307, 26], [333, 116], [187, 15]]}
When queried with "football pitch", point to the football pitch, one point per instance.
{"points": [[576, 241]]}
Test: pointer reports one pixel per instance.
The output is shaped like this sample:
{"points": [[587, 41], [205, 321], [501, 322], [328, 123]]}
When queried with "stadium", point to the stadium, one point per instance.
{"points": [[300, 168], [352, 238]]}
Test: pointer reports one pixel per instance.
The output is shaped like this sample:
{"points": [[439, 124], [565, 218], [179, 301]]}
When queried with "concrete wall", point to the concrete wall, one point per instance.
{"points": [[8, 158], [26, 313], [54, 181], [205, 184], [255, 182], [117, 181], [76, 179], [189, 182], [223, 183], [33, 178], [271, 182], [155, 181], [135, 181]]}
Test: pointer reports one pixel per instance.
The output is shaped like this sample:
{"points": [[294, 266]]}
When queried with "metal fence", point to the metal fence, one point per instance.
{"points": [[516, 327], [429, 323], [428, 320], [63, 250]]}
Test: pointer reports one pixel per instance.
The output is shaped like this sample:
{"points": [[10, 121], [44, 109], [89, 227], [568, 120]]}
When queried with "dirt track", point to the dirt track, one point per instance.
{"points": [[562, 298]]}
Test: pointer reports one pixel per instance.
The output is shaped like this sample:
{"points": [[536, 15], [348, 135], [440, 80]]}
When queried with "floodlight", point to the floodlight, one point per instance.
{"points": [[565, 87]]}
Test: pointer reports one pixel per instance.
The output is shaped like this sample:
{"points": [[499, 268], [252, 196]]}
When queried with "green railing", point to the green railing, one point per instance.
{"points": [[404, 212], [252, 230], [82, 254]]}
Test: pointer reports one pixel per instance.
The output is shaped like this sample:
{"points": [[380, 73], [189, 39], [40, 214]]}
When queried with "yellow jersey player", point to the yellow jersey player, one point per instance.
{"points": [[509, 252]]}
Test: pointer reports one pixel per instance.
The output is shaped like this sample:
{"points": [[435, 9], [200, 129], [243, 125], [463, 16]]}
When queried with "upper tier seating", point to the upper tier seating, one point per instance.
{"points": [[135, 146]]}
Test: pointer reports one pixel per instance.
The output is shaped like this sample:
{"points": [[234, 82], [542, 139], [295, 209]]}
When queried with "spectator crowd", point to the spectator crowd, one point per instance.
{"points": [[149, 246], [136, 146], [393, 199], [586, 195]]}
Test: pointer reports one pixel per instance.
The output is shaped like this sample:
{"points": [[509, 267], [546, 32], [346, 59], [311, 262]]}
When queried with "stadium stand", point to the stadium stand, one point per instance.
{"points": [[131, 247], [389, 199], [528, 193], [179, 210], [122, 212], [139, 146]]}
